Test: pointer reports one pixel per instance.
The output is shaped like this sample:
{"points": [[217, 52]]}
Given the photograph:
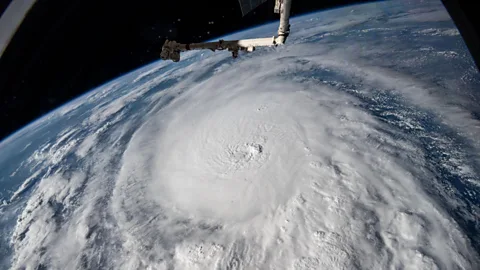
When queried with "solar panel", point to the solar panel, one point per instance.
{"points": [[249, 5]]}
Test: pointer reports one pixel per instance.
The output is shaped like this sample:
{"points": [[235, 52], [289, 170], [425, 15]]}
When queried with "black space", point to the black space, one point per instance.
{"points": [[66, 48]]}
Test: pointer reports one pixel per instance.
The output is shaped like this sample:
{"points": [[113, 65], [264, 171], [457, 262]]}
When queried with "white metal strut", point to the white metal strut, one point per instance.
{"points": [[171, 49]]}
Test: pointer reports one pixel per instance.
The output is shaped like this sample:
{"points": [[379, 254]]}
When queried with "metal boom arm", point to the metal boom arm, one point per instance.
{"points": [[171, 49]]}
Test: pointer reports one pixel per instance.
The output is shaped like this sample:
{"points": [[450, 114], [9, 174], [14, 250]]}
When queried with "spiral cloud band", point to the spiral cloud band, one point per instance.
{"points": [[292, 171]]}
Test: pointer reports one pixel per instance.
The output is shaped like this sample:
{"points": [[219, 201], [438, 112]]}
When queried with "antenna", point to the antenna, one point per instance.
{"points": [[171, 49]]}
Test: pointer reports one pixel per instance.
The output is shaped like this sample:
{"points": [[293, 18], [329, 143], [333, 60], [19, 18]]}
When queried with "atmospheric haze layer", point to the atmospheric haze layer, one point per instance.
{"points": [[355, 146]]}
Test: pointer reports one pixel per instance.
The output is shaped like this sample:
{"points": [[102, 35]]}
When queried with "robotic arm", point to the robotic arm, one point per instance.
{"points": [[171, 49]]}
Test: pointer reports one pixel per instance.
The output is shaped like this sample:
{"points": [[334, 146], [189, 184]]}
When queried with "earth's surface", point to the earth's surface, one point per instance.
{"points": [[355, 146]]}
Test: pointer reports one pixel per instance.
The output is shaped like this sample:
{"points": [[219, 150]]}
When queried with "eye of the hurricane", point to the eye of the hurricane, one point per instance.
{"points": [[243, 156], [245, 153]]}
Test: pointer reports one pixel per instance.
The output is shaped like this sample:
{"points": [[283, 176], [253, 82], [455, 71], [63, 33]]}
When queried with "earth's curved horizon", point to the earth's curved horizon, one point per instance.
{"points": [[354, 146]]}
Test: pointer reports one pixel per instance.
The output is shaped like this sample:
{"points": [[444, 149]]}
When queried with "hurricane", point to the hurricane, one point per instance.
{"points": [[354, 146]]}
